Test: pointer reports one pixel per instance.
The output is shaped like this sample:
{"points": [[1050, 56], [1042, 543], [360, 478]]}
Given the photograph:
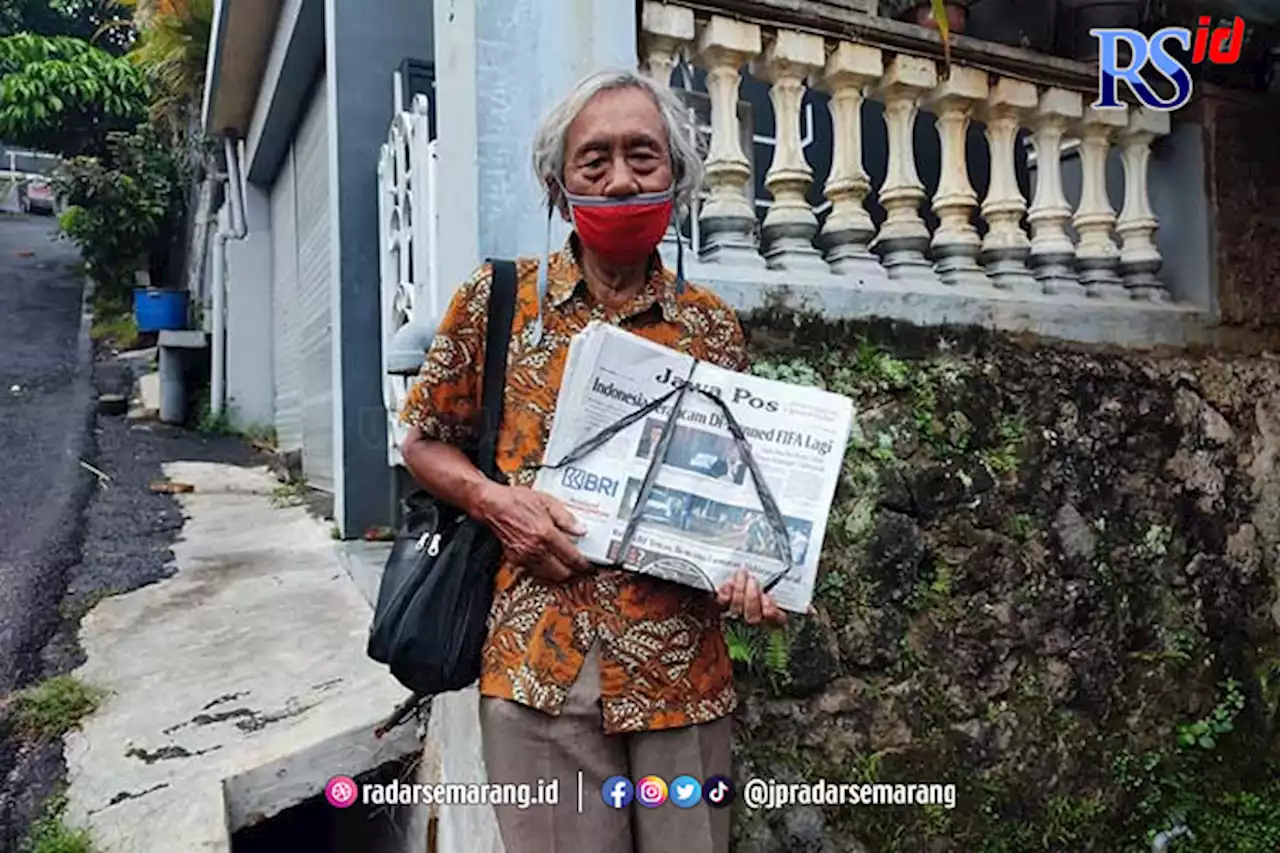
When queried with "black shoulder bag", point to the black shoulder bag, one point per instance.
{"points": [[431, 619]]}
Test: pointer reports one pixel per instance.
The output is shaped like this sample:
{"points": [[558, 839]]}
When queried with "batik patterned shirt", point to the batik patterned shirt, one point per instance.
{"points": [[663, 661]]}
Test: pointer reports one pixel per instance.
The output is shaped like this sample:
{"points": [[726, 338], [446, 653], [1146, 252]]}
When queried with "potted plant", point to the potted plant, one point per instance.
{"points": [[922, 12]]}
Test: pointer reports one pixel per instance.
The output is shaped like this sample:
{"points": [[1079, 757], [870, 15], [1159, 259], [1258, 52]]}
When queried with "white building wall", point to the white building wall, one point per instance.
{"points": [[250, 386]]}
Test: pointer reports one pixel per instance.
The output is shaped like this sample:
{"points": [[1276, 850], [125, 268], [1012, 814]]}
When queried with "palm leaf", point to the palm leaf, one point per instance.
{"points": [[172, 50], [944, 30]]}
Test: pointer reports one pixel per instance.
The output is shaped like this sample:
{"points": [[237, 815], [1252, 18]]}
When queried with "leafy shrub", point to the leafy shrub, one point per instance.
{"points": [[122, 207], [64, 95]]}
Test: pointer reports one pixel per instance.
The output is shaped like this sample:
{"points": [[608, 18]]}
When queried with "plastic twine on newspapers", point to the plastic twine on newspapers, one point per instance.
{"points": [[651, 474], [765, 494], [781, 540], [602, 437]]}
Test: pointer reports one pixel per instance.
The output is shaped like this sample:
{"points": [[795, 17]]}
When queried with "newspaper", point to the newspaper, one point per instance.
{"points": [[703, 519]]}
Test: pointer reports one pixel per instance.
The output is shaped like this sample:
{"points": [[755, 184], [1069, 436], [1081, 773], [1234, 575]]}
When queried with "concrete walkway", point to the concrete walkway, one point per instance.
{"points": [[237, 687]]}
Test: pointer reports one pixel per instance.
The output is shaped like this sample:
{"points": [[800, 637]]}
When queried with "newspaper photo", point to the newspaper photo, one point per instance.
{"points": [[703, 518]]}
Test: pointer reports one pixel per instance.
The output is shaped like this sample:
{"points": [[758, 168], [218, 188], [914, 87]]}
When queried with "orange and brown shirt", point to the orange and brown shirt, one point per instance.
{"points": [[663, 661]]}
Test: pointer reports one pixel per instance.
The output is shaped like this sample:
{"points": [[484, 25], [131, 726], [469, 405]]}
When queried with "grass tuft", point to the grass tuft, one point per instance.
{"points": [[54, 707], [50, 835]]}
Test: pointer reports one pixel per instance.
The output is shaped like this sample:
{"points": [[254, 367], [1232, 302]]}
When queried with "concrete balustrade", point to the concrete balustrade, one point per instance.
{"points": [[1004, 245]]}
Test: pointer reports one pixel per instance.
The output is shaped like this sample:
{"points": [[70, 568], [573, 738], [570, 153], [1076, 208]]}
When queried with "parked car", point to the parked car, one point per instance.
{"points": [[38, 197], [663, 511]]}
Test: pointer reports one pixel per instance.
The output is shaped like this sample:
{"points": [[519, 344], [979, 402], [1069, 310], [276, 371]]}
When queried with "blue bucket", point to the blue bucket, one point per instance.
{"points": [[158, 310]]}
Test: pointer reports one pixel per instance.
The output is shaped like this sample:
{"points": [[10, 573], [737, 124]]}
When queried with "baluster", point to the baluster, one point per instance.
{"points": [[665, 31], [727, 220], [790, 225], [903, 237], [1006, 246], [955, 242], [849, 70], [1139, 257], [1051, 247], [1097, 255]]}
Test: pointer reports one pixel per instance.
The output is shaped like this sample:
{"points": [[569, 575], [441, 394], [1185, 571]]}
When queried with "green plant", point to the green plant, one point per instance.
{"points": [[741, 644], [1205, 733], [1011, 432], [1022, 527], [49, 834], [211, 424], [54, 707], [765, 652], [1155, 542], [121, 329], [796, 371], [64, 95], [289, 494], [123, 207], [172, 51], [929, 593]]}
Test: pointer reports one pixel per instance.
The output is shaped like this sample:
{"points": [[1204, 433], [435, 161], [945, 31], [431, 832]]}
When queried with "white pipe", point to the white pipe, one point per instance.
{"points": [[235, 187], [217, 383], [230, 227]]}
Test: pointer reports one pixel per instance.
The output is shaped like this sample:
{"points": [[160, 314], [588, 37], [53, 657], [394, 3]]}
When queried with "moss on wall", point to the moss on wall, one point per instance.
{"points": [[1050, 578]]}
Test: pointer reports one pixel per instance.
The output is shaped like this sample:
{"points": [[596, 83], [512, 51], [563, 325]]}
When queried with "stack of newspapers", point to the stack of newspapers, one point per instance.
{"points": [[702, 519]]}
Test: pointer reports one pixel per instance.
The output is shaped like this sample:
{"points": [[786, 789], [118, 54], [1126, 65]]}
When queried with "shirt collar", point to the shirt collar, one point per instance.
{"points": [[565, 278]]}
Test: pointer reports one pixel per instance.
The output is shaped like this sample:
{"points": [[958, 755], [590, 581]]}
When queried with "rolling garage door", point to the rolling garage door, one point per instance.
{"points": [[284, 301], [315, 291], [302, 296]]}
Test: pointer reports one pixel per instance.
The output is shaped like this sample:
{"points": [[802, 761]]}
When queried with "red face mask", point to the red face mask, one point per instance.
{"points": [[623, 230]]}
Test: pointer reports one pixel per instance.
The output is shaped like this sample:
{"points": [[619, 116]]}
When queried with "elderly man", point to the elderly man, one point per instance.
{"points": [[588, 668]]}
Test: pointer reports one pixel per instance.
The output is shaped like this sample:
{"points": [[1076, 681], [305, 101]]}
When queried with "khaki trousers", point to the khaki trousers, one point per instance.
{"points": [[523, 745]]}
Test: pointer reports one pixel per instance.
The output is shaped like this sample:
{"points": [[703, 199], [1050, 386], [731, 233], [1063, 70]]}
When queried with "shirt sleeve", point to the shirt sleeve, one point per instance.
{"points": [[726, 346], [444, 400]]}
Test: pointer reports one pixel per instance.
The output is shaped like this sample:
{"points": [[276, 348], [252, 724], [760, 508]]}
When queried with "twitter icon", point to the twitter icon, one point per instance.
{"points": [[685, 791]]}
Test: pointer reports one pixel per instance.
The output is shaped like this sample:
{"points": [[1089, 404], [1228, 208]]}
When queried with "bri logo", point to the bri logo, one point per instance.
{"points": [[585, 481], [1222, 47]]}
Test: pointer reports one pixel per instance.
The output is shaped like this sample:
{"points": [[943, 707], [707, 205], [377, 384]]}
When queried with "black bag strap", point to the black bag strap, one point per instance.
{"points": [[502, 309]]}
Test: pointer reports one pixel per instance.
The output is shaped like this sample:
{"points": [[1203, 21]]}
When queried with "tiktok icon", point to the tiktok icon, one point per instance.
{"points": [[718, 792]]}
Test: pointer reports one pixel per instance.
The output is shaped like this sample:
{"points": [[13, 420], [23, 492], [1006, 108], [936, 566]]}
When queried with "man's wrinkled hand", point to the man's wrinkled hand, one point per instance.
{"points": [[742, 597], [535, 530]]}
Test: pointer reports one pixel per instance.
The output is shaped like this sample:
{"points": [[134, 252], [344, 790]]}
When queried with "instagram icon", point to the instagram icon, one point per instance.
{"points": [[651, 791]]}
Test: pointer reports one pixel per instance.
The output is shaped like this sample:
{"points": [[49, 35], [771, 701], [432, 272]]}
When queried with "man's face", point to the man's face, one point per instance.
{"points": [[617, 146]]}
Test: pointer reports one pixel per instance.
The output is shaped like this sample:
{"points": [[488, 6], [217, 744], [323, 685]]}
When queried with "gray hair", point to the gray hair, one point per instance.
{"points": [[549, 141]]}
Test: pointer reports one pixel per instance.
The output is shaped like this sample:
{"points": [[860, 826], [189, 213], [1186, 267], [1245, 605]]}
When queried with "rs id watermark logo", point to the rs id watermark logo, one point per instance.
{"points": [[1220, 45]]}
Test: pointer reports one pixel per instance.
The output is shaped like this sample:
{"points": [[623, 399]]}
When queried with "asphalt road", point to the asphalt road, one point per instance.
{"points": [[64, 541], [46, 398]]}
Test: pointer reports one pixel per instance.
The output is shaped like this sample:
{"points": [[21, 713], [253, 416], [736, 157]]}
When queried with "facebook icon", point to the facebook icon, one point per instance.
{"points": [[617, 792]]}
